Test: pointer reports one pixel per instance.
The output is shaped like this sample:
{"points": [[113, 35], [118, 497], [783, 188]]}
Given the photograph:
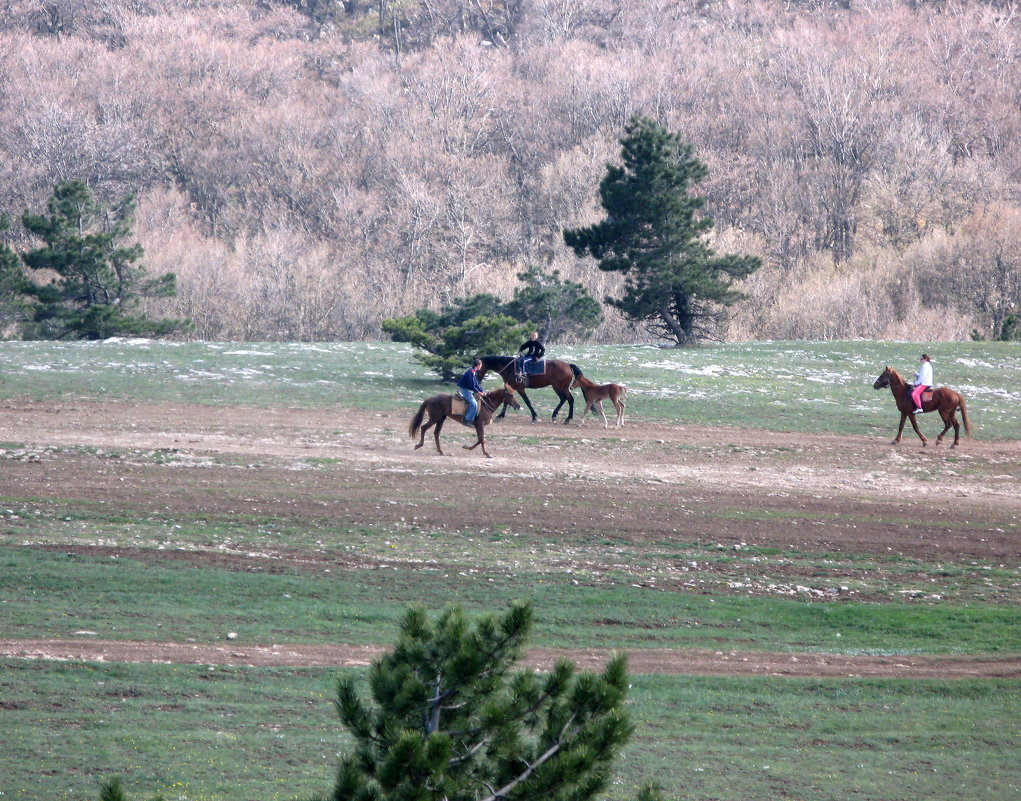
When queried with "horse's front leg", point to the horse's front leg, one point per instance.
{"points": [[480, 433], [914, 425], [563, 400], [528, 403], [620, 413], [900, 429], [602, 411]]}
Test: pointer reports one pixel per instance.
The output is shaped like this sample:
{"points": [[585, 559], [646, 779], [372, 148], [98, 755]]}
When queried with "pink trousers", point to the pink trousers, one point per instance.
{"points": [[916, 395]]}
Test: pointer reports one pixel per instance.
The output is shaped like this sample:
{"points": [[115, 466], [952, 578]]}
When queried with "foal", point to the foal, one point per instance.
{"points": [[595, 394]]}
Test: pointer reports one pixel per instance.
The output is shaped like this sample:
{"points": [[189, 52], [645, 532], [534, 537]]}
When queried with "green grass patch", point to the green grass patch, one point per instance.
{"points": [[54, 594], [232, 733], [795, 386]]}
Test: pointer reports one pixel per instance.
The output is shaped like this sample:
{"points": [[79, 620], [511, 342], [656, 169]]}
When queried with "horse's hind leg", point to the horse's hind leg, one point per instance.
{"points": [[422, 430], [436, 436], [951, 420]]}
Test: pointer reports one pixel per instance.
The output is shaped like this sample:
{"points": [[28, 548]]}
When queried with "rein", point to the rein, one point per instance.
{"points": [[485, 403]]}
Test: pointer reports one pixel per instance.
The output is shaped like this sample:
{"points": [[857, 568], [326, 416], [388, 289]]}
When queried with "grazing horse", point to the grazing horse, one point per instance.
{"points": [[439, 409], [559, 375], [942, 399], [595, 394]]}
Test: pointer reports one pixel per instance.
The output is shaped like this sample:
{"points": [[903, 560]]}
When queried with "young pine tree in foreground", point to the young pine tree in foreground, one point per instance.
{"points": [[449, 720]]}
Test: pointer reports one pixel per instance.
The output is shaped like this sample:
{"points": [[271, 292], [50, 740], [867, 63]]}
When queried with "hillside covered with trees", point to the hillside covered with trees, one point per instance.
{"points": [[309, 168]]}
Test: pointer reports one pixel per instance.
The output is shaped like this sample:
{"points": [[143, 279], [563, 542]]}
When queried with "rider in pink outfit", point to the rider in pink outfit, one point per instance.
{"points": [[923, 381]]}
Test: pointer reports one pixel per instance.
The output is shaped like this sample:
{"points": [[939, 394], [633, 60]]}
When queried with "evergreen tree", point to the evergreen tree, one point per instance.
{"points": [[655, 235], [99, 284], [448, 720], [13, 283], [559, 308], [451, 339]]}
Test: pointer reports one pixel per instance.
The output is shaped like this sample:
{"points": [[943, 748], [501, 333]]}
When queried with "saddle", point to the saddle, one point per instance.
{"points": [[458, 405], [530, 368]]}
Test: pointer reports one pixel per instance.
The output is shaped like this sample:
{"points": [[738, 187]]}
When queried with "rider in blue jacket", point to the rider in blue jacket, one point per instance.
{"points": [[467, 385]]}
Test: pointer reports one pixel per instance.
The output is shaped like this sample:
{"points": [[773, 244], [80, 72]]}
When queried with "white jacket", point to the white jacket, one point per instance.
{"points": [[924, 375]]}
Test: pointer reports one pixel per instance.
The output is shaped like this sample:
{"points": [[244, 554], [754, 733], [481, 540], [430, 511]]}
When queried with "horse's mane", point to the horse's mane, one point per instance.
{"points": [[496, 362]]}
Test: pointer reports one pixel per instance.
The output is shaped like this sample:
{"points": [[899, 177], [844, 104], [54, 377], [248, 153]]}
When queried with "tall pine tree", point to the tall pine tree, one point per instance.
{"points": [[654, 234], [448, 720], [98, 283]]}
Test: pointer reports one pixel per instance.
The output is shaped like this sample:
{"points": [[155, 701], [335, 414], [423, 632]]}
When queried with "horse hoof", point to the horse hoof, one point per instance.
{"points": [[467, 447], [489, 456]]}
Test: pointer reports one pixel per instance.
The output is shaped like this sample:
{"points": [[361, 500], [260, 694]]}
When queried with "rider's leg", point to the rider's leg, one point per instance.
{"points": [[473, 407], [916, 397]]}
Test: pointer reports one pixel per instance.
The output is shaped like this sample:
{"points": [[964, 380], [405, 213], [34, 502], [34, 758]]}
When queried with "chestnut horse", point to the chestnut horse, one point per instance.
{"points": [[942, 399], [439, 409], [559, 375], [595, 394]]}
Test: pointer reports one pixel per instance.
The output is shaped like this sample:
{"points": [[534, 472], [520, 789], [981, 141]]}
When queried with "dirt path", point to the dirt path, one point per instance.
{"points": [[640, 661], [647, 481]]}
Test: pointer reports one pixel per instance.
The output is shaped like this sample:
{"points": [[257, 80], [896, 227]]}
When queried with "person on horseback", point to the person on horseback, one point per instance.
{"points": [[532, 350], [923, 381], [467, 385]]}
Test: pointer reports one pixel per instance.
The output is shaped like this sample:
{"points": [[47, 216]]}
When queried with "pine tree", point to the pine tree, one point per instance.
{"points": [[13, 283], [99, 283], [448, 720], [558, 307], [655, 235], [449, 340]]}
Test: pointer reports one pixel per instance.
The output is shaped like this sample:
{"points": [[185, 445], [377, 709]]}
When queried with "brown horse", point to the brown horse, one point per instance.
{"points": [[595, 394], [942, 399], [558, 375], [439, 409]]}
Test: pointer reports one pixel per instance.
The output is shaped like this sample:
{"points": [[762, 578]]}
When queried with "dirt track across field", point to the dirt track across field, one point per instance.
{"points": [[810, 493]]}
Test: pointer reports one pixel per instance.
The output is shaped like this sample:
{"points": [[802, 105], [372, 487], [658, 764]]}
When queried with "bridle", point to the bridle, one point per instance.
{"points": [[493, 408]]}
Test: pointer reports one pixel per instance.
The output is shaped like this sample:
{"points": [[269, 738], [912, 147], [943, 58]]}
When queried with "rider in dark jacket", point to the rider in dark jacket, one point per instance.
{"points": [[533, 349], [467, 385]]}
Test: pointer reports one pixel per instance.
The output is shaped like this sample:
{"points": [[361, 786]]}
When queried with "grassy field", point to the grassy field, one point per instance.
{"points": [[205, 733], [812, 387], [214, 733]]}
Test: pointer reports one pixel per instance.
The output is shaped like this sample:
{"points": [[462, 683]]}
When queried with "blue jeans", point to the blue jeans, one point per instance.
{"points": [[473, 404]]}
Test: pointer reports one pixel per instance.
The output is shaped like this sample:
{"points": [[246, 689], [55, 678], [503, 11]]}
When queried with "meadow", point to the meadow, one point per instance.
{"points": [[785, 386], [261, 521]]}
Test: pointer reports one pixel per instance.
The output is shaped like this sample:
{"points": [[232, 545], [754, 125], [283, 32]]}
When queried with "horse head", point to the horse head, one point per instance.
{"points": [[884, 379], [510, 398]]}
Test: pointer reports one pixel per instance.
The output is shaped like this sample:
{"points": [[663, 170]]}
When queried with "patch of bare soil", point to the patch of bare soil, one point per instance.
{"points": [[649, 480], [640, 661]]}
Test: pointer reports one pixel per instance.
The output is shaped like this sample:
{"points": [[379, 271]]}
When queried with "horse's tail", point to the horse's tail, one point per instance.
{"points": [[416, 421], [576, 370], [964, 414]]}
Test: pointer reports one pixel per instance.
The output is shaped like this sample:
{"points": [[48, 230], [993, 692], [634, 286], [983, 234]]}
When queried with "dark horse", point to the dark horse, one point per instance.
{"points": [[439, 409], [558, 375], [942, 399]]}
